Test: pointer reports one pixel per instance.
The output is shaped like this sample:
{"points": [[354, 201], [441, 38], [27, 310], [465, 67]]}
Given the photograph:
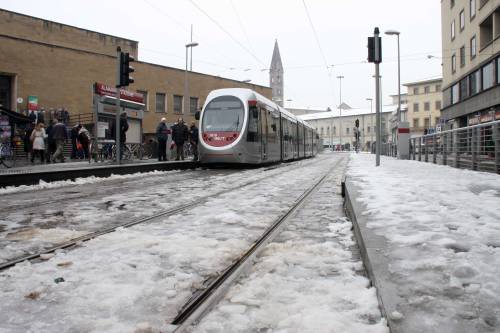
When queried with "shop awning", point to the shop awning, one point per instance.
{"points": [[14, 116]]}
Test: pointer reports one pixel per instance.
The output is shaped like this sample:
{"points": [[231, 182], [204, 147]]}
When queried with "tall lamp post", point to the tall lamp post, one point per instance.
{"points": [[340, 77], [186, 85], [371, 122], [396, 33]]}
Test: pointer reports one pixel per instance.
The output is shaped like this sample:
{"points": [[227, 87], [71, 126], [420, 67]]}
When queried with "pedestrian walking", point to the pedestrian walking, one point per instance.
{"points": [[74, 136], [193, 139], [27, 140], [123, 132], [180, 134], [51, 143], [84, 139], [38, 139], [162, 137], [60, 136]]}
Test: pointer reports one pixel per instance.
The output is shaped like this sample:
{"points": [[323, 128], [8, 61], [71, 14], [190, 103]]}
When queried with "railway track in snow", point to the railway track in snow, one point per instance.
{"points": [[75, 242], [205, 299]]}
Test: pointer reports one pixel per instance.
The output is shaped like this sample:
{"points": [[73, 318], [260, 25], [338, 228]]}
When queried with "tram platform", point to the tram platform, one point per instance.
{"points": [[33, 174], [429, 238]]}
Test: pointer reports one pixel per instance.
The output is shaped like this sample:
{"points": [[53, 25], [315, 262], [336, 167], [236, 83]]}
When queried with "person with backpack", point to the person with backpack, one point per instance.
{"points": [[84, 139], [60, 135]]}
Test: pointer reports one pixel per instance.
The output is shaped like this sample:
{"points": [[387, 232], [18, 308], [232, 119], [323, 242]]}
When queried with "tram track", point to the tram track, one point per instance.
{"points": [[164, 213], [202, 301]]}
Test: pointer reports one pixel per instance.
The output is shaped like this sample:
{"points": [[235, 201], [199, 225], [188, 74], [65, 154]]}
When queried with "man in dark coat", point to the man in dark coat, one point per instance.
{"points": [[27, 139], [162, 136], [180, 134], [74, 137], [60, 135], [51, 143], [193, 138]]}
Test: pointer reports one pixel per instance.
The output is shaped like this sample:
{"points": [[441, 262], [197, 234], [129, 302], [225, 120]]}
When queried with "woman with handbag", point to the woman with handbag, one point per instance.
{"points": [[38, 140]]}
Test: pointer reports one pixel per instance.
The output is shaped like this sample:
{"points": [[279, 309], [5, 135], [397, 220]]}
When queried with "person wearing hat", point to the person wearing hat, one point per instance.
{"points": [[162, 136]]}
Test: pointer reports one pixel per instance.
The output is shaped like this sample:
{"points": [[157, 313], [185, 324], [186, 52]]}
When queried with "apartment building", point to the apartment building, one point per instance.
{"points": [[424, 104], [471, 61]]}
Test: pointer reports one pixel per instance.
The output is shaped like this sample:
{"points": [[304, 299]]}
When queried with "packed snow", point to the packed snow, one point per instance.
{"points": [[138, 278], [307, 280], [443, 231]]}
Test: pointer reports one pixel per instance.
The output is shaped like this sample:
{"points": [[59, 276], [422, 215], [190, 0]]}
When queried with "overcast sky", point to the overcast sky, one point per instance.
{"points": [[236, 39]]}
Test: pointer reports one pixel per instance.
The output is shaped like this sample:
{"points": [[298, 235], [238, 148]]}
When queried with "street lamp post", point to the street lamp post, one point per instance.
{"points": [[340, 77], [186, 84], [371, 122], [396, 33]]}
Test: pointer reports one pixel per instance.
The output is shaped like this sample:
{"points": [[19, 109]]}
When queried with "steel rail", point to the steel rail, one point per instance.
{"points": [[73, 242], [198, 305]]}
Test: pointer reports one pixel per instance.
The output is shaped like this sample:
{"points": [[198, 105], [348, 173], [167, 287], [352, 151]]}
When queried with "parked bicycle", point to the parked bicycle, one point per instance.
{"points": [[100, 151]]}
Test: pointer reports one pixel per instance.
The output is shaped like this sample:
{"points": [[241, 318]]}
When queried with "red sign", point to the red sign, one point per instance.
{"points": [[104, 90]]}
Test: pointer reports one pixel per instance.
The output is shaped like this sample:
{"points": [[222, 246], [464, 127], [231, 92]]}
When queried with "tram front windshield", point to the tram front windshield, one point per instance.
{"points": [[223, 114]]}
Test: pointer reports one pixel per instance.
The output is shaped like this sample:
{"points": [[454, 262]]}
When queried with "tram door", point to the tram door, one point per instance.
{"points": [[263, 133]]}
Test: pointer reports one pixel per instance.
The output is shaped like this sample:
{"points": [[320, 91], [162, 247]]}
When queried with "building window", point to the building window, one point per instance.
{"points": [[347, 130], [462, 56], [193, 104], [322, 132], [144, 93], [438, 105], [427, 89], [334, 130], [498, 70], [453, 30], [415, 107], [416, 123], [160, 102], [453, 63], [328, 130], [475, 82], [486, 32], [452, 3], [473, 47], [438, 88], [427, 123], [178, 104], [462, 20], [488, 76], [482, 3], [415, 91], [455, 93], [427, 106], [447, 97], [472, 8], [436, 120], [368, 129], [464, 88]]}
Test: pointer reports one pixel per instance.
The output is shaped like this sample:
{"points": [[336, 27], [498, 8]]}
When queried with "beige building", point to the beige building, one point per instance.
{"points": [[423, 105], [471, 63], [58, 64], [334, 129]]}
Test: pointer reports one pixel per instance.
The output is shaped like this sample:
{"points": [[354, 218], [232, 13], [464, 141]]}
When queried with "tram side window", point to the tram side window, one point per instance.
{"points": [[253, 125]]}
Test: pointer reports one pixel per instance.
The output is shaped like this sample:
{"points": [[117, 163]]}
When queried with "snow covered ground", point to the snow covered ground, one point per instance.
{"points": [[139, 277], [79, 207], [307, 280], [443, 231]]}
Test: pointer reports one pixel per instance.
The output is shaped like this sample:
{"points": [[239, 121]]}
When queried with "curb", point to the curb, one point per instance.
{"points": [[372, 249], [33, 177]]}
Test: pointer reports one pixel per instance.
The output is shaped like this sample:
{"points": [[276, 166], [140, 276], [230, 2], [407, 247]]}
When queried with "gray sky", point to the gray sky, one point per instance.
{"points": [[244, 50]]}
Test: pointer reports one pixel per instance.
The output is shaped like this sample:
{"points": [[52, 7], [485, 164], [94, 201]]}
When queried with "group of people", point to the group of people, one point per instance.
{"points": [[180, 134], [47, 144], [42, 116]]}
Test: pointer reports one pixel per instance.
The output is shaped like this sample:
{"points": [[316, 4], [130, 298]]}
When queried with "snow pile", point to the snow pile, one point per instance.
{"points": [[443, 228], [80, 181], [305, 281]]}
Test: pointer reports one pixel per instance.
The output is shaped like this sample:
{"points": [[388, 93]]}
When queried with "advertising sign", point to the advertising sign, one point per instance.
{"points": [[104, 90], [32, 103]]}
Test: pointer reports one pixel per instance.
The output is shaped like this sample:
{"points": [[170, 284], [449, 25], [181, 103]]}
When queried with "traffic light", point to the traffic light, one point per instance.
{"points": [[126, 69], [357, 123], [375, 49]]}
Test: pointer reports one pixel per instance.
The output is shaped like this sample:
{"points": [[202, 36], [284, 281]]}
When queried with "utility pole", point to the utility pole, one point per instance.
{"points": [[375, 56], [118, 108]]}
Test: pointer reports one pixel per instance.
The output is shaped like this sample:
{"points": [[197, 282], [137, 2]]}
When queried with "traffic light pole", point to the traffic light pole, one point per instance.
{"points": [[378, 57], [118, 108]]}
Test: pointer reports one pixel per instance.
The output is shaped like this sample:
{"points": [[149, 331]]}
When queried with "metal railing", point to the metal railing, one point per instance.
{"points": [[475, 147]]}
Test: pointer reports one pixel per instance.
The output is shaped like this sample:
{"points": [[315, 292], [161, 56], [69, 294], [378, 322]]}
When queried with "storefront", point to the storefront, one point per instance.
{"points": [[105, 112]]}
